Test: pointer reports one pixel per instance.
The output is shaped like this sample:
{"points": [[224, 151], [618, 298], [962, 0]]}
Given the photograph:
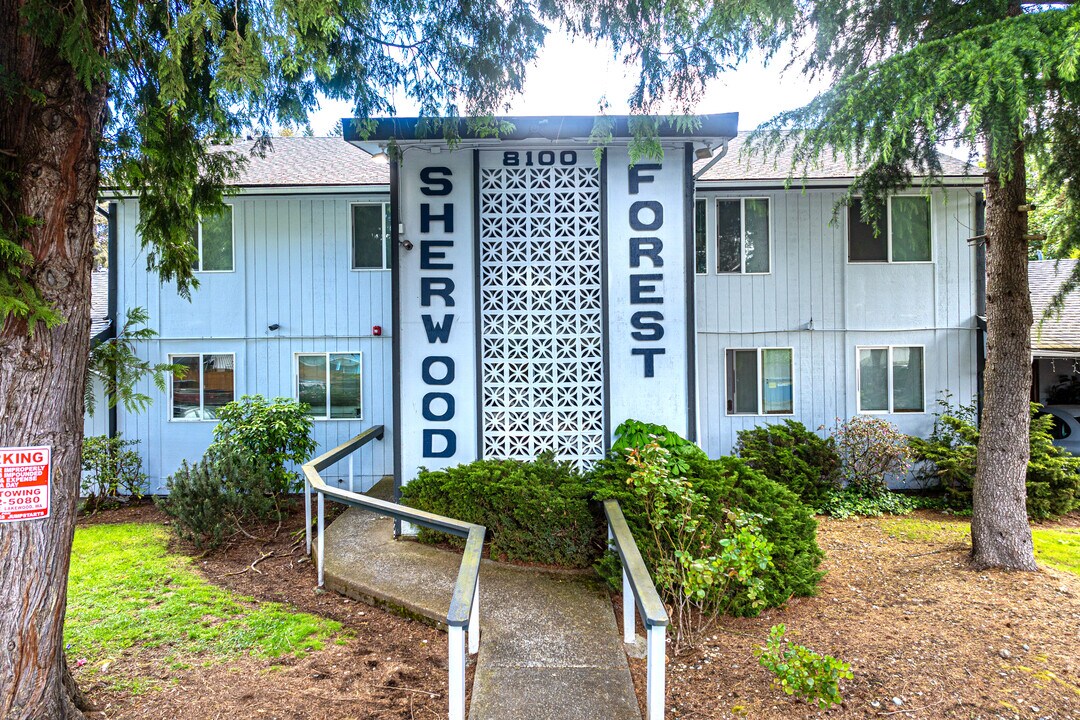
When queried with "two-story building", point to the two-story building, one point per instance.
{"points": [[503, 297]]}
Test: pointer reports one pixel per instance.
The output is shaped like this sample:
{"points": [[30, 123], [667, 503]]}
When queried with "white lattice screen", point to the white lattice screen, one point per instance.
{"points": [[541, 310]]}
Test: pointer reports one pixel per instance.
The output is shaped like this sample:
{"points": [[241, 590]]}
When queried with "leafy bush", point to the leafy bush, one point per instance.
{"points": [[793, 456], [870, 450], [851, 501], [218, 496], [724, 485], [636, 434], [800, 671], [111, 467], [534, 511], [699, 563], [949, 454], [278, 432]]}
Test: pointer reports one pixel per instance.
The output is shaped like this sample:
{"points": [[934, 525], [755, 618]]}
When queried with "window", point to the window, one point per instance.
{"points": [[207, 385], [331, 383], [700, 260], [906, 239], [214, 240], [371, 236], [742, 235], [759, 381], [891, 379]]}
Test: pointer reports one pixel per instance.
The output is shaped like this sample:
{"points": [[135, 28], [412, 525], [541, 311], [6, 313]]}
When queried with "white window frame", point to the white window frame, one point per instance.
{"points": [[327, 354], [202, 385], [888, 238], [232, 259], [730, 412], [742, 234], [889, 365], [352, 237]]}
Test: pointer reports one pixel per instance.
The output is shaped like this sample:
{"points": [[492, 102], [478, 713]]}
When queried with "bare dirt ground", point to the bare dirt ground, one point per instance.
{"points": [[385, 667], [915, 624]]}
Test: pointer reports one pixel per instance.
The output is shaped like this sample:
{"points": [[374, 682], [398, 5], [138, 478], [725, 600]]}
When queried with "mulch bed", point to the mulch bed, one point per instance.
{"points": [[915, 623], [382, 666], [926, 638]]}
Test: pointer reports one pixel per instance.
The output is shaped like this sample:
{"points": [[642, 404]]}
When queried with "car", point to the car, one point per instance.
{"points": [[1066, 429]]}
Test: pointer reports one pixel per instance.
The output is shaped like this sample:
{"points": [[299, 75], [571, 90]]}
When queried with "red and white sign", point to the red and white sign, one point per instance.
{"points": [[25, 474]]}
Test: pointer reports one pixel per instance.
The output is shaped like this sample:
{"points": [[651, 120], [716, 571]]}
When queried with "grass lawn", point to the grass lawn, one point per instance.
{"points": [[127, 595], [1057, 547]]}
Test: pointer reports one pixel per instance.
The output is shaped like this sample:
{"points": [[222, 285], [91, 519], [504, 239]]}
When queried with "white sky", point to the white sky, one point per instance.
{"points": [[570, 78]]}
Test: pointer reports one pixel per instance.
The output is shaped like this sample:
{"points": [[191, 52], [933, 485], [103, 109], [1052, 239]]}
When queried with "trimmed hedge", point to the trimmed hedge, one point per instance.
{"points": [[535, 512], [729, 483], [793, 456]]}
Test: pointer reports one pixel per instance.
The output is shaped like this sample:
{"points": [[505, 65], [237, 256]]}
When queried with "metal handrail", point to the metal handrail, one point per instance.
{"points": [[464, 609], [640, 592]]}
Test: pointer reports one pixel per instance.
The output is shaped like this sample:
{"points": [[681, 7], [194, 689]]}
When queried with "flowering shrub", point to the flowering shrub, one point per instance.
{"points": [[870, 450]]}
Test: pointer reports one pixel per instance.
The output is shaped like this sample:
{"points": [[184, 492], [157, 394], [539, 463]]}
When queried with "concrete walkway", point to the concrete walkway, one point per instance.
{"points": [[549, 645]]}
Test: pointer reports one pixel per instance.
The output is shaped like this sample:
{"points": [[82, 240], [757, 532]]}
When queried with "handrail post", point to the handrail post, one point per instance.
{"points": [[307, 515], [457, 671], [474, 620], [322, 535], [655, 672], [628, 606]]}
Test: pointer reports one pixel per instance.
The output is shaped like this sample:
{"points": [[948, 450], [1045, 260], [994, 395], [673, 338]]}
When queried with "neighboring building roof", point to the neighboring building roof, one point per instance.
{"points": [[312, 161], [99, 301], [1059, 331], [735, 167]]}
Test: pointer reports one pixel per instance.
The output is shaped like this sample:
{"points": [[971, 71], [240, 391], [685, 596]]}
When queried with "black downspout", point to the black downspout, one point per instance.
{"points": [[980, 298], [113, 319]]}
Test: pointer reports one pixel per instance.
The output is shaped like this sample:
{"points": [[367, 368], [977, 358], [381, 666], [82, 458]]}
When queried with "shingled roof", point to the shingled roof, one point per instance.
{"points": [[309, 161], [1059, 332], [735, 167]]}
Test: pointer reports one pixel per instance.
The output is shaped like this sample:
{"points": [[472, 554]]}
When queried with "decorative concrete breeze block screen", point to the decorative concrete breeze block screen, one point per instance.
{"points": [[541, 310]]}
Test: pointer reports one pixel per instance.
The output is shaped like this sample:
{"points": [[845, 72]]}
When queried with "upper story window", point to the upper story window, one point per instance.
{"points": [[214, 239], [906, 238], [891, 379], [371, 236], [208, 385], [701, 262], [742, 235], [760, 381], [332, 384]]}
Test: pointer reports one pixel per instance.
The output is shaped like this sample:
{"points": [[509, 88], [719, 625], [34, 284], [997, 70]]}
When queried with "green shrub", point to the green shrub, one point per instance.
{"points": [[727, 484], [791, 455], [852, 501], [802, 672], [277, 431], [534, 511], [218, 496], [111, 467], [949, 454], [700, 564], [636, 434]]}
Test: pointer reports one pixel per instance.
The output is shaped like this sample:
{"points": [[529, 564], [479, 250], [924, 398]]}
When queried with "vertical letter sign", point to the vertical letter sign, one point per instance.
{"points": [[24, 483]]}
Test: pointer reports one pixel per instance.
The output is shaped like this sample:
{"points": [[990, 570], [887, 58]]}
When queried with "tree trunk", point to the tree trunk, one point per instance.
{"points": [[49, 160], [1000, 534]]}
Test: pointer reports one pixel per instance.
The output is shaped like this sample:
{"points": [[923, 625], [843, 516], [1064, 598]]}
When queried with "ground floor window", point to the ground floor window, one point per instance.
{"points": [[760, 381], [208, 385], [331, 383], [891, 378]]}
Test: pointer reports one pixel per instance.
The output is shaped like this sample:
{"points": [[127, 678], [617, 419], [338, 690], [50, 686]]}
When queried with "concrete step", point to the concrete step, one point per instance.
{"points": [[550, 648]]}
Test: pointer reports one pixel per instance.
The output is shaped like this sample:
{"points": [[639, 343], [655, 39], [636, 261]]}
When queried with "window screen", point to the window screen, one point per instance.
{"points": [[776, 385], [863, 245], [371, 247], [874, 379], [907, 369]]}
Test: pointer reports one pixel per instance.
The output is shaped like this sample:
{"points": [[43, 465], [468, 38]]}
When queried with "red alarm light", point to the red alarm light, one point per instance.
{"points": [[376, 330]]}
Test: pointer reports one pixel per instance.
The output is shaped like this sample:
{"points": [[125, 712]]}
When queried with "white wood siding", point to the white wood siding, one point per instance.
{"points": [[292, 268], [850, 304]]}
